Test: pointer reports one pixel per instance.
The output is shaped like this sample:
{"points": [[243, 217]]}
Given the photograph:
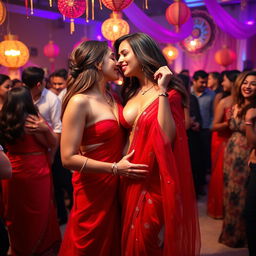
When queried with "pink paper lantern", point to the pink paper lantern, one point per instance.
{"points": [[72, 9], [177, 14], [51, 51], [117, 5]]}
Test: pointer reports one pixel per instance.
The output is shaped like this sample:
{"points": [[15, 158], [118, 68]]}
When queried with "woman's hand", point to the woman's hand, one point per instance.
{"points": [[130, 170], [163, 77]]}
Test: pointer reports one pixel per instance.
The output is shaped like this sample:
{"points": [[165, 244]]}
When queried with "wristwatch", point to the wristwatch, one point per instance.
{"points": [[165, 94]]}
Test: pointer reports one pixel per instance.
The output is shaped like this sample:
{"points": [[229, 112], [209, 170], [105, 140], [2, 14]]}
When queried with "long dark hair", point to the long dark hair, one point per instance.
{"points": [[17, 106], [151, 59], [3, 78], [238, 97], [83, 66]]}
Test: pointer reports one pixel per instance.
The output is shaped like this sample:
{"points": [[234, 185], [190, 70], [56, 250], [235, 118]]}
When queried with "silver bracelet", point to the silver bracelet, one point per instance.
{"points": [[114, 169], [84, 165]]}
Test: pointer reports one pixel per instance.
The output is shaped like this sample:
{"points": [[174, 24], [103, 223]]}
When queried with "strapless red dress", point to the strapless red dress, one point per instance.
{"points": [[159, 213], [94, 224], [215, 192], [28, 203]]}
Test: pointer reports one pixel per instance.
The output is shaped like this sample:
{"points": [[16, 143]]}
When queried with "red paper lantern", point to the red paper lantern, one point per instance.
{"points": [[51, 51], [225, 56], [71, 9], [116, 5], [177, 14]]}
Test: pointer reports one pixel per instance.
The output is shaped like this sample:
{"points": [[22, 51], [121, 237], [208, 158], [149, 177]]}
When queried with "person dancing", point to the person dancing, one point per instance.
{"points": [[91, 143], [29, 212], [159, 215]]}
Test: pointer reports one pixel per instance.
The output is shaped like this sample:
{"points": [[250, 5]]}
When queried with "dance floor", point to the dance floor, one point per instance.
{"points": [[210, 230]]}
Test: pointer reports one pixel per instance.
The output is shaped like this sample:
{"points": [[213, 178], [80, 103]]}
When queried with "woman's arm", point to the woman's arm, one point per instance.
{"points": [[41, 130], [218, 123], [250, 125], [165, 117], [5, 165], [73, 125]]}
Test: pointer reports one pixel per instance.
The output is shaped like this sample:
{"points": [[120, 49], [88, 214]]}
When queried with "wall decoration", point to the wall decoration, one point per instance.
{"points": [[203, 33]]}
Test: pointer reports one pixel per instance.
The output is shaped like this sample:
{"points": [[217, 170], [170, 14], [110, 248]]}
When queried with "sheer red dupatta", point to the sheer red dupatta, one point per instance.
{"points": [[182, 236]]}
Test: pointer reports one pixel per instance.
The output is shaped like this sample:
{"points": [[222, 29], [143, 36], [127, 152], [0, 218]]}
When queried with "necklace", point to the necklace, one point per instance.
{"points": [[143, 92]]}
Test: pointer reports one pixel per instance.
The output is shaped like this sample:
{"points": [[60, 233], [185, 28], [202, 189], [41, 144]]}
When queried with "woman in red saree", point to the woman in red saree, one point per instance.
{"points": [[28, 206], [159, 215], [91, 144]]}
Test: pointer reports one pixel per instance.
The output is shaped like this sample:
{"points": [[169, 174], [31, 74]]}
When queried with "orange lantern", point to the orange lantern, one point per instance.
{"points": [[51, 51], [13, 53], [115, 27], [2, 12], [177, 14], [170, 53], [225, 56]]}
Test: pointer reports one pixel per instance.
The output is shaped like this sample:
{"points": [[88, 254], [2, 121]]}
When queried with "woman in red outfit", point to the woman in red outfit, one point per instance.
{"points": [[91, 144], [28, 207], [159, 215], [220, 138]]}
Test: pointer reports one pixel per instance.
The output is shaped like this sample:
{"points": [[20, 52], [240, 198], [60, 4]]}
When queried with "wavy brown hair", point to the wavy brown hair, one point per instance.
{"points": [[238, 97], [151, 59], [83, 68], [17, 106]]}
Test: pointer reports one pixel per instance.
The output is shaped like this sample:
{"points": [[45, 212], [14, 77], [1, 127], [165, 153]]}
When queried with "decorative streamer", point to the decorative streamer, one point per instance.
{"points": [[100, 4], [92, 9], [50, 3], [31, 7], [146, 4], [26, 6], [87, 11]]}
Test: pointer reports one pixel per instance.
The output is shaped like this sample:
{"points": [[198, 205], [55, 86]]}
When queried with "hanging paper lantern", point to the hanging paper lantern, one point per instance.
{"points": [[117, 5], [13, 53], [115, 27], [2, 12], [225, 56], [71, 9], [170, 52], [51, 51], [177, 14]]}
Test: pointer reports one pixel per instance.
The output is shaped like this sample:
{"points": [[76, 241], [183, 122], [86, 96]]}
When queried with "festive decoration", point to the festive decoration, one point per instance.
{"points": [[203, 33], [170, 52], [152, 28], [227, 23], [116, 5], [115, 27], [51, 51], [177, 14], [225, 56], [2, 12], [71, 9], [13, 53]]}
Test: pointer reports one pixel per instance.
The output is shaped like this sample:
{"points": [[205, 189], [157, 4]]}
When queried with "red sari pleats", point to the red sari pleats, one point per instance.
{"points": [[159, 213]]}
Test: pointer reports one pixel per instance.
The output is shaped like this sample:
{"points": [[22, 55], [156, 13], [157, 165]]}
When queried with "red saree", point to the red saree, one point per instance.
{"points": [[159, 215], [28, 206], [215, 193], [94, 224]]}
